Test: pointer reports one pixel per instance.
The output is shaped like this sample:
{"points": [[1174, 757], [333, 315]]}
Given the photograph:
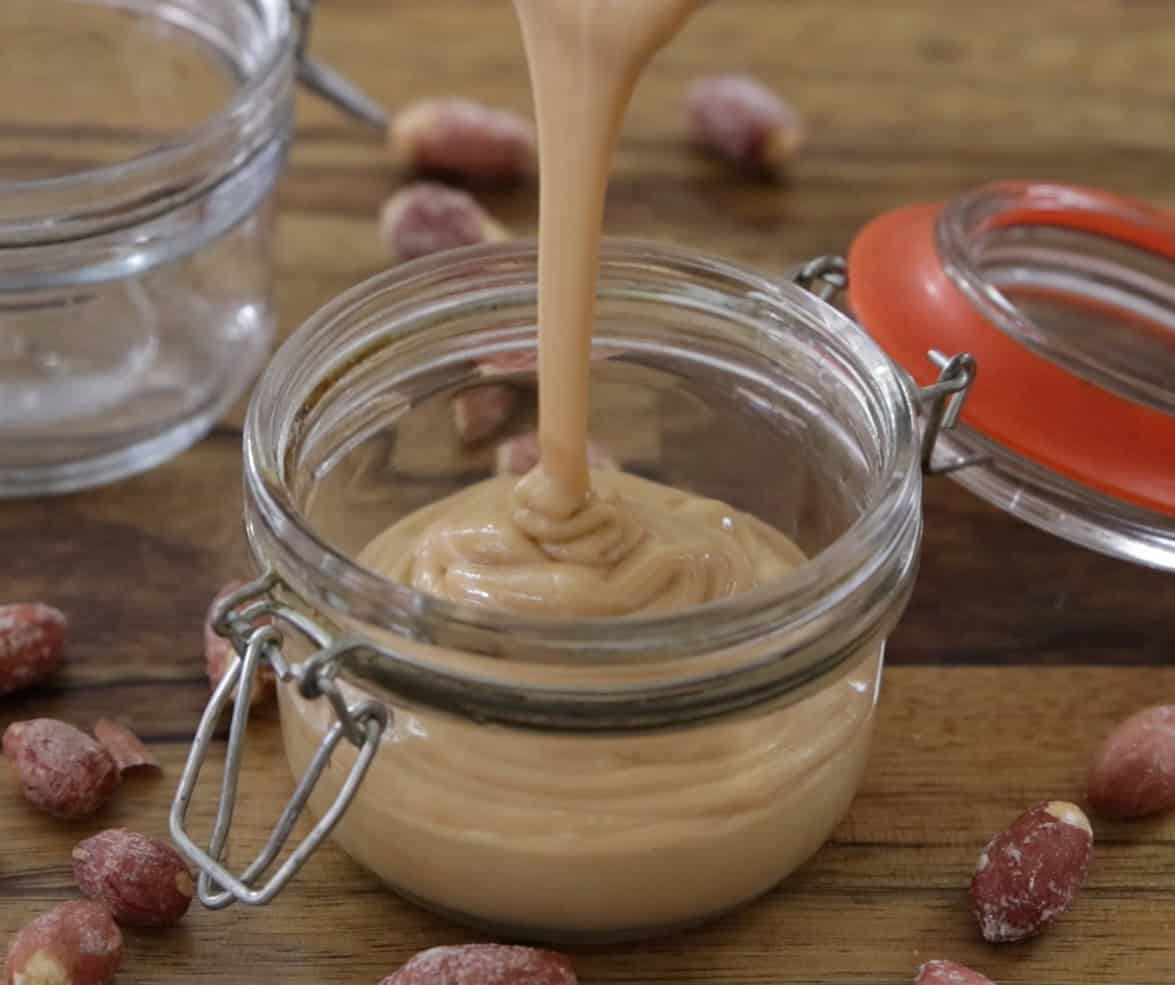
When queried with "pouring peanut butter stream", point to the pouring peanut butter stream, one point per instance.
{"points": [[565, 541]]}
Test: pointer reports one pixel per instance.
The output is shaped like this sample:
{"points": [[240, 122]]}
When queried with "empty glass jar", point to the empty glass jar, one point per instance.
{"points": [[136, 226]]}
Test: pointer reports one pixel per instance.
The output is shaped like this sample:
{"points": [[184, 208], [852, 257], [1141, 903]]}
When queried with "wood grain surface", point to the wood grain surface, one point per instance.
{"points": [[1017, 652]]}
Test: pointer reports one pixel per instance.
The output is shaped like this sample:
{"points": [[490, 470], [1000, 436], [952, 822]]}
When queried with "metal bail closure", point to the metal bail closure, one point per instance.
{"points": [[824, 276], [941, 403], [238, 618], [325, 81]]}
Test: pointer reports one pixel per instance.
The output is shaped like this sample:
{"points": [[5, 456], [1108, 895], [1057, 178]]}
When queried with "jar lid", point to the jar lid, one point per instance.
{"points": [[1065, 296]]}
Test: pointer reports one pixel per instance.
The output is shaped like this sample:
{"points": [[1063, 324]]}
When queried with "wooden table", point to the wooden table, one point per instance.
{"points": [[1017, 652]]}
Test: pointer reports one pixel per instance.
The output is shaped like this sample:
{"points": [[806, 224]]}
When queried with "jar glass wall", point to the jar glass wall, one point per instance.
{"points": [[593, 778], [136, 227]]}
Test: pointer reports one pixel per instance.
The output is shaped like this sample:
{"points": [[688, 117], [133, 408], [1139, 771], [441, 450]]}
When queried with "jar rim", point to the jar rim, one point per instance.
{"points": [[864, 554], [94, 212]]}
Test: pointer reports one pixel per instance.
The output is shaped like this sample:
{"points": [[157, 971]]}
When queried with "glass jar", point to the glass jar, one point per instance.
{"points": [[589, 779], [135, 301]]}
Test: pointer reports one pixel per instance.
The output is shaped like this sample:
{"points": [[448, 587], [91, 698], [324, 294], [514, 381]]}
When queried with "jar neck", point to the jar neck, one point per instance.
{"points": [[776, 642]]}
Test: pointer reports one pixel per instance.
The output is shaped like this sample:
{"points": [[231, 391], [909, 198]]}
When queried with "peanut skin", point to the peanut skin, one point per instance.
{"points": [[425, 218], [1133, 774], [485, 964], [62, 770], [949, 973], [143, 881], [1029, 874], [741, 120], [76, 943], [125, 748], [32, 644], [481, 412], [460, 137], [520, 454]]}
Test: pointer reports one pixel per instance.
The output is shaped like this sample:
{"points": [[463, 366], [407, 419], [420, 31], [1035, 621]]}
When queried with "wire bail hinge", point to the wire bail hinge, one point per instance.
{"points": [[942, 404], [254, 622], [824, 276]]}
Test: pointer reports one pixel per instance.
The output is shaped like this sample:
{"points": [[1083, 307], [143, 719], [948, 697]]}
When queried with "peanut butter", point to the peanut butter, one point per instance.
{"points": [[565, 834], [634, 546]]}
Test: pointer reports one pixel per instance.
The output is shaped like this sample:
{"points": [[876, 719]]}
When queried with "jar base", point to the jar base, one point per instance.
{"points": [[62, 469], [74, 476], [570, 940]]}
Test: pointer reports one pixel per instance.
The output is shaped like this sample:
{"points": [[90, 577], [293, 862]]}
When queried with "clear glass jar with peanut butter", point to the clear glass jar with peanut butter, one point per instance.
{"points": [[599, 776]]}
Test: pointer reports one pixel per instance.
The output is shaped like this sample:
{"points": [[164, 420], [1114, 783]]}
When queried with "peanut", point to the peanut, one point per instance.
{"points": [[425, 218], [485, 964], [460, 137], [62, 770], [743, 121], [32, 644], [481, 411], [1028, 875], [220, 655], [125, 748], [76, 943], [1133, 774], [518, 455], [143, 881], [949, 973]]}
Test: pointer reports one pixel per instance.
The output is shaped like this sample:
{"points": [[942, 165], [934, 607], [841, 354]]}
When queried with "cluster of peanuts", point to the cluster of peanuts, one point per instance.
{"points": [[127, 879], [735, 117], [1028, 875], [1026, 878]]}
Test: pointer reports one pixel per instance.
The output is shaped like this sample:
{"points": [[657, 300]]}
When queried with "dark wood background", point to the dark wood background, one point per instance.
{"points": [[1017, 652]]}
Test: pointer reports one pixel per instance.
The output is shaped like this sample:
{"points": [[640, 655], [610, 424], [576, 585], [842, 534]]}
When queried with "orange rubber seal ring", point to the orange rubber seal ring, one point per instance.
{"points": [[902, 295]]}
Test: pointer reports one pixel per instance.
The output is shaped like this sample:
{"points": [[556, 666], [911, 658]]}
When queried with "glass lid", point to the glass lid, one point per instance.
{"points": [[1066, 298]]}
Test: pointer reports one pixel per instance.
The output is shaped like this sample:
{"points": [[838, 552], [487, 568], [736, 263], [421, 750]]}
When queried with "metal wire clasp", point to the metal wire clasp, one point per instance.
{"points": [[238, 618], [325, 81], [824, 276], [941, 403]]}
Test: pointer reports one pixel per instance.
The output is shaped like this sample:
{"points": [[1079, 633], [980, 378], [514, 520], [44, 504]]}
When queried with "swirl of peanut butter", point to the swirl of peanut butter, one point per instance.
{"points": [[633, 546], [567, 541]]}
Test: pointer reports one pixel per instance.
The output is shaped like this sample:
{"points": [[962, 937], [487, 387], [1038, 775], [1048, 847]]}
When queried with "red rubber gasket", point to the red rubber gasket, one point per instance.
{"points": [[903, 297]]}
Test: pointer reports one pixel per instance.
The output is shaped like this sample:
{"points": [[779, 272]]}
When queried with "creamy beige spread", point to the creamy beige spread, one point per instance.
{"points": [[596, 834], [569, 834], [633, 546]]}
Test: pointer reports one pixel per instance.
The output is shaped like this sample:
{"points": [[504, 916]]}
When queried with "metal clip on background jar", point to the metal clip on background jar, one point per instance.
{"points": [[595, 779], [135, 296]]}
